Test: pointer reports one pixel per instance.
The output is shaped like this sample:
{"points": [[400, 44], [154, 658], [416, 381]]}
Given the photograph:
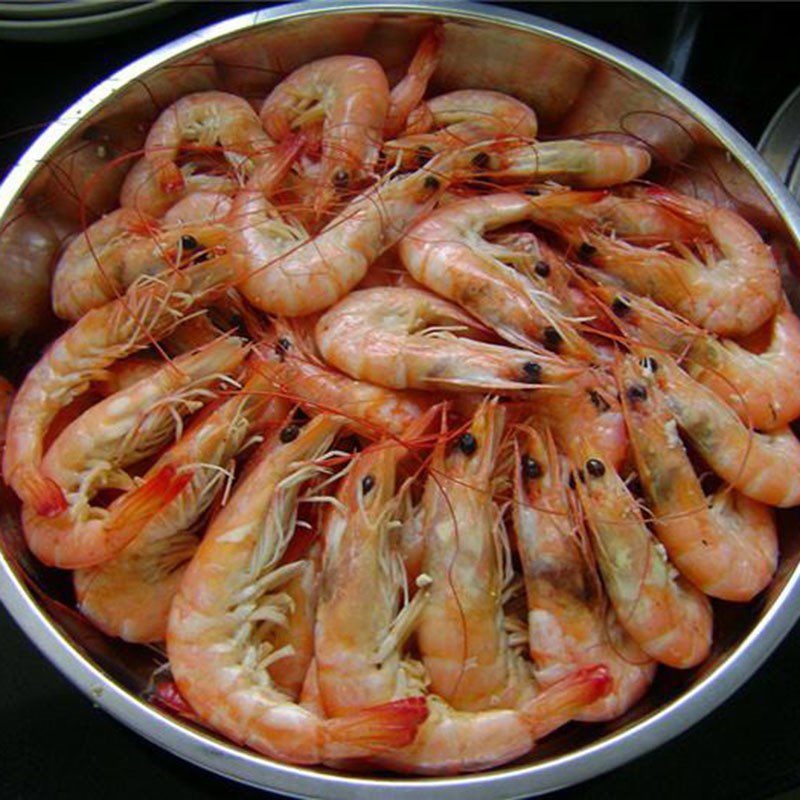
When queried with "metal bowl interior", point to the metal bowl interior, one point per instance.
{"points": [[558, 72]]}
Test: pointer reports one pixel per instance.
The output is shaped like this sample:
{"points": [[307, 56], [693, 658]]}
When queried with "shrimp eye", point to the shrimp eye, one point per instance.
{"points": [[542, 269], [468, 444], [189, 242], [552, 338], [431, 182], [637, 392], [598, 401], [423, 154], [533, 371], [531, 468], [586, 250], [649, 364], [282, 347], [533, 192], [289, 433], [620, 307], [480, 160], [595, 467], [341, 179], [367, 482]]}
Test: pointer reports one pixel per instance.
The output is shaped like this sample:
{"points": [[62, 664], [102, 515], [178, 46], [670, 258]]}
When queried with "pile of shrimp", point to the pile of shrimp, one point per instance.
{"points": [[411, 435]]}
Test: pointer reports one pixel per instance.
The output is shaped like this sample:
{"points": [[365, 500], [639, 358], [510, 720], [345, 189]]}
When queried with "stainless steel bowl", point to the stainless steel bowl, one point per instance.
{"points": [[551, 67]]}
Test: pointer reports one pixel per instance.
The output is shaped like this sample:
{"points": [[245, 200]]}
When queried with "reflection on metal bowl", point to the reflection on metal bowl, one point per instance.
{"points": [[573, 81]]}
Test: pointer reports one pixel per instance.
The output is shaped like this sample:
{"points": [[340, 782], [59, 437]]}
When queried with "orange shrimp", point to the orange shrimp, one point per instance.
{"points": [[762, 466], [350, 95], [664, 614], [447, 252], [727, 546], [150, 309], [233, 583], [568, 624], [403, 338]]}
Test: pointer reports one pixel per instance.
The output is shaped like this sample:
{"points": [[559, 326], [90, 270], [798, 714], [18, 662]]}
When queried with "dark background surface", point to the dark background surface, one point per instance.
{"points": [[54, 744]]}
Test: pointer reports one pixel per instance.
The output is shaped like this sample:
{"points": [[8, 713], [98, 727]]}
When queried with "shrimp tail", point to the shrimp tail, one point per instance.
{"points": [[43, 493], [563, 701], [383, 727], [153, 495]]}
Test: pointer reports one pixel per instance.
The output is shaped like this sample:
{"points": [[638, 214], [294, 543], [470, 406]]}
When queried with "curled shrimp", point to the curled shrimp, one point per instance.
{"points": [[298, 373], [130, 594], [404, 338], [447, 252], [461, 118], [149, 310], [582, 163], [350, 95], [231, 587], [407, 94], [203, 121], [568, 624], [762, 466], [112, 253], [665, 615], [731, 288], [726, 546], [461, 637], [292, 274], [761, 384]]}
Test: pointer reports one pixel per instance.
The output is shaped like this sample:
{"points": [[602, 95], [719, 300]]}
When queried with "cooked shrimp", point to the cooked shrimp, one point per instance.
{"points": [[403, 338], [582, 163], [203, 121], [731, 293], [461, 637], [142, 190], [461, 118], [358, 653], [150, 309], [762, 466], [762, 385], [728, 546], [447, 252], [408, 93], [300, 375], [233, 583], [292, 274], [568, 624], [28, 248], [130, 595], [126, 427], [664, 614], [350, 95]]}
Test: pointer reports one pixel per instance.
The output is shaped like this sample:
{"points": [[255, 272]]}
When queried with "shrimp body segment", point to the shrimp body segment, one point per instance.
{"points": [[130, 595], [233, 584], [384, 336], [148, 311], [664, 614], [568, 625], [728, 548], [447, 253], [350, 96], [291, 274]]}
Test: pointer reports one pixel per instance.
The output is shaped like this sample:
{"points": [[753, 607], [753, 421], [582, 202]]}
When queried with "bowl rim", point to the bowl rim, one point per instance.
{"points": [[517, 780]]}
